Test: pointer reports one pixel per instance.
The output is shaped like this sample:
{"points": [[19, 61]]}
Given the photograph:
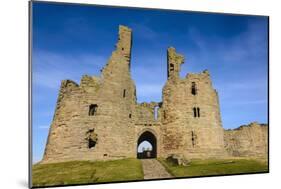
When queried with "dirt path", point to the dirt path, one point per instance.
{"points": [[153, 169]]}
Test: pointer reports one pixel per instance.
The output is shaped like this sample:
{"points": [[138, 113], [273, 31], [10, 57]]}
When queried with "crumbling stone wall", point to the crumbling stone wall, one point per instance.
{"points": [[100, 119], [247, 140], [114, 99], [192, 123]]}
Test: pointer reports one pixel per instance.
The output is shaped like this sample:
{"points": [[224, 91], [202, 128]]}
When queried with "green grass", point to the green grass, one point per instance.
{"points": [[215, 167], [83, 172]]}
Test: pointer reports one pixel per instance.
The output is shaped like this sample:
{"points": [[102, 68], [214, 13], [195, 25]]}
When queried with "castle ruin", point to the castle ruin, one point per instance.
{"points": [[100, 119]]}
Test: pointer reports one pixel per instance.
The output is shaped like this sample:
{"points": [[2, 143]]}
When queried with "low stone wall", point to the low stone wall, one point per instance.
{"points": [[247, 141]]}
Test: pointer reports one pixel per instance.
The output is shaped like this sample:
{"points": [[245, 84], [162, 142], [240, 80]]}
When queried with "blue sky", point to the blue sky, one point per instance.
{"points": [[72, 40]]}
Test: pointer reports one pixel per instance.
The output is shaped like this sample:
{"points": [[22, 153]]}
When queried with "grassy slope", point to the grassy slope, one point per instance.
{"points": [[80, 172], [215, 167]]}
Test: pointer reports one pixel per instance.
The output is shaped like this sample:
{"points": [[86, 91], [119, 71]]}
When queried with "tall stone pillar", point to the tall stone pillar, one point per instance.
{"points": [[174, 61]]}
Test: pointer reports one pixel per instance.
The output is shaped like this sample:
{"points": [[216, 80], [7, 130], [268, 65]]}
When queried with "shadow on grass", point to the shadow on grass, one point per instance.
{"points": [[213, 167]]}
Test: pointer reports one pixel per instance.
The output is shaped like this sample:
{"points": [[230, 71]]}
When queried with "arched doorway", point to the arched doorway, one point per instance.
{"points": [[147, 146]]}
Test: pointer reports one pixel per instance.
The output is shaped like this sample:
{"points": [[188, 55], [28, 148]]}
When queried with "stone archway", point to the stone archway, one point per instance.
{"points": [[151, 138]]}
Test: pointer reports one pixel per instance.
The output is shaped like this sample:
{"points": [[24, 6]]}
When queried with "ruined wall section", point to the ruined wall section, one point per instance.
{"points": [[90, 84], [247, 140], [174, 62], [112, 96], [69, 132], [148, 118], [173, 93], [60, 139], [205, 135], [185, 132], [116, 101], [117, 84], [147, 112], [118, 98]]}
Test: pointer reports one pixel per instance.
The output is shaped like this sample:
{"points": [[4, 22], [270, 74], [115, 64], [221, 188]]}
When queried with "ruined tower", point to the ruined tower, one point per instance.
{"points": [[100, 119], [192, 123], [174, 61], [92, 119]]}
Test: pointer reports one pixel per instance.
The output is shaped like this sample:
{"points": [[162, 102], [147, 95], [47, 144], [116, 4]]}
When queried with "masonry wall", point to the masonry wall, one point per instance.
{"points": [[114, 95], [247, 141], [197, 136]]}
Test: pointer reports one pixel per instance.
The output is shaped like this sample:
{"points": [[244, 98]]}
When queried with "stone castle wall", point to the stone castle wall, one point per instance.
{"points": [[247, 141], [100, 119], [196, 135], [113, 94]]}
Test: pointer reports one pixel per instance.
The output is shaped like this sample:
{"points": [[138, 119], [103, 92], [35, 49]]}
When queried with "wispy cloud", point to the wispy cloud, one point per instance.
{"points": [[50, 68], [44, 126], [240, 50], [144, 32]]}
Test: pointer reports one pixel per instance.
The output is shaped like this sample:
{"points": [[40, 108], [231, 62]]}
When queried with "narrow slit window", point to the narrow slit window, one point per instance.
{"points": [[193, 138], [124, 93], [93, 109], [198, 112], [193, 88], [130, 115], [194, 112]]}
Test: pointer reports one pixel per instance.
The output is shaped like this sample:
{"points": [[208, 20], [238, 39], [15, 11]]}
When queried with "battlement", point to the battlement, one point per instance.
{"points": [[90, 84], [249, 126], [202, 74]]}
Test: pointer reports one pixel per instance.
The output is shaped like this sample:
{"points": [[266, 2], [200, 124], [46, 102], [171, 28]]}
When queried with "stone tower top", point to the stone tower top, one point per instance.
{"points": [[124, 41], [174, 61]]}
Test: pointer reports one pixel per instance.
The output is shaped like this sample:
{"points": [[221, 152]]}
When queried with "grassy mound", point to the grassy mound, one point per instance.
{"points": [[83, 172], [215, 167], [87, 172]]}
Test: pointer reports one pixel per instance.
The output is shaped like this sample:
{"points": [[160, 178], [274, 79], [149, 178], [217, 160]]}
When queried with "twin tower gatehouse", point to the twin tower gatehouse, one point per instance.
{"points": [[100, 118]]}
